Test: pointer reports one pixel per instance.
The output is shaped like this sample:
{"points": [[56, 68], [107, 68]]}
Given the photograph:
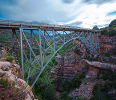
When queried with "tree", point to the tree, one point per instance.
{"points": [[75, 82], [46, 80], [64, 96], [112, 32], [97, 93], [112, 23], [104, 31], [95, 27], [49, 93], [66, 86]]}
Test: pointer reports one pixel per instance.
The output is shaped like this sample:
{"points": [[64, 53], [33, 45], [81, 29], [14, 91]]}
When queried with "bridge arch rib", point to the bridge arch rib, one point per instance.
{"points": [[45, 43]]}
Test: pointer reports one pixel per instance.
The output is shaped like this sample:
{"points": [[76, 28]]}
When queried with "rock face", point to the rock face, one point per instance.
{"points": [[85, 90], [11, 86], [5, 66], [64, 73], [107, 43], [100, 65], [110, 59]]}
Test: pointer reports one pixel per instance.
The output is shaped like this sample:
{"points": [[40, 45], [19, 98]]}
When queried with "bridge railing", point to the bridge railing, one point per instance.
{"points": [[43, 24]]}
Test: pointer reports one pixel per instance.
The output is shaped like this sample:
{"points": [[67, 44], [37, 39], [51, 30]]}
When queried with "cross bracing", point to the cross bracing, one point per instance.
{"points": [[45, 43]]}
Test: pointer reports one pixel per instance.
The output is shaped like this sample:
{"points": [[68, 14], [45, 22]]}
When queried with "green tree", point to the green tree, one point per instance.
{"points": [[95, 27], [112, 32], [82, 75], [104, 31], [66, 86], [97, 93], [46, 81], [64, 96], [113, 22], [49, 93], [75, 82]]}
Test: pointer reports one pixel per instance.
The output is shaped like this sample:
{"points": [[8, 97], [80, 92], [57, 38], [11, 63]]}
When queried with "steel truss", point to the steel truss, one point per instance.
{"points": [[45, 43]]}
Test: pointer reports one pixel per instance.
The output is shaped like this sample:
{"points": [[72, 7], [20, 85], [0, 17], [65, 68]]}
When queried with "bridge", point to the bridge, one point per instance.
{"points": [[44, 41]]}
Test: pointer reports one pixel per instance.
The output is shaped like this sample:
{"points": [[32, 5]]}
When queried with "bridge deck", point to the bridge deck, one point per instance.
{"points": [[35, 26]]}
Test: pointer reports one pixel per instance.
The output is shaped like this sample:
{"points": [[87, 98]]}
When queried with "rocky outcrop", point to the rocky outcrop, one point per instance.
{"points": [[100, 65], [5, 66], [85, 90], [110, 59], [106, 43], [11, 86], [64, 73]]}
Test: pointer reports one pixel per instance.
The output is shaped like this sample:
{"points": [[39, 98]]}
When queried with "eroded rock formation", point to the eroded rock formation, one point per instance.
{"points": [[12, 87], [107, 43]]}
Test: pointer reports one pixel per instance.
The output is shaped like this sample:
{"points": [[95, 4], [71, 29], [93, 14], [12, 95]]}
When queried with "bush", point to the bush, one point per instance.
{"points": [[79, 98], [96, 87], [49, 93], [77, 51], [75, 82], [104, 77], [82, 75], [107, 86], [9, 58], [66, 86], [97, 93], [111, 76], [104, 31], [64, 96], [4, 82]]}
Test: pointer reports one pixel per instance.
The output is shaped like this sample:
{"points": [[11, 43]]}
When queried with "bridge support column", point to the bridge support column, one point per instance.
{"points": [[64, 36], [13, 32], [40, 49], [98, 43], [30, 55], [21, 50], [54, 39]]}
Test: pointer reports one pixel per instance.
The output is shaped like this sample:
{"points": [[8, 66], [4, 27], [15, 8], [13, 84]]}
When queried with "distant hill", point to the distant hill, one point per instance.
{"points": [[113, 23]]}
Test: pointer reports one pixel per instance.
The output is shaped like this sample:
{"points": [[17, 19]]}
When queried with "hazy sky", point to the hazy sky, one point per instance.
{"points": [[81, 13]]}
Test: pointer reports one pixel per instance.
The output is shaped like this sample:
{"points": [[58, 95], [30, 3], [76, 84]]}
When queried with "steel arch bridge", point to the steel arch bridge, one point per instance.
{"points": [[44, 41]]}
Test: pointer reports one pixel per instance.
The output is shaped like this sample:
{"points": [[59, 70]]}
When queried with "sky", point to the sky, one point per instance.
{"points": [[78, 13]]}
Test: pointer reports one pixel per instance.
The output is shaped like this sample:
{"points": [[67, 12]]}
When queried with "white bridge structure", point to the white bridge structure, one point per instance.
{"points": [[43, 41]]}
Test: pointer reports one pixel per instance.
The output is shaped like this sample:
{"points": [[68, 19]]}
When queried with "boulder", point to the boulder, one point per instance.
{"points": [[5, 66]]}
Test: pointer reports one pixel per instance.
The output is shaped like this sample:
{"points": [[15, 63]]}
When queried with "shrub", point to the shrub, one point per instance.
{"points": [[75, 82], [66, 86], [112, 32], [9, 58], [77, 51], [89, 58], [82, 75], [104, 77], [96, 87], [64, 96], [79, 98], [99, 36], [107, 86], [111, 76], [49, 93], [104, 31], [107, 54], [4, 82]]}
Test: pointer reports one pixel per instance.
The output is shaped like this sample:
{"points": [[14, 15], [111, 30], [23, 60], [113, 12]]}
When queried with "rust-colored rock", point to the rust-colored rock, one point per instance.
{"points": [[16, 88], [106, 43]]}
